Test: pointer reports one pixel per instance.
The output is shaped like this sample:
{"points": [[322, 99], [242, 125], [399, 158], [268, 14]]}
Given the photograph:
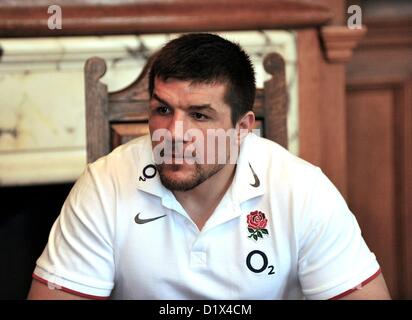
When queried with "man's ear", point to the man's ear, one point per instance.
{"points": [[245, 125]]}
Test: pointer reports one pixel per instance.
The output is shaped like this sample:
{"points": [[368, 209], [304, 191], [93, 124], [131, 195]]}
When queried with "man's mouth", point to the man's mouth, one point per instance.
{"points": [[183, 155]]}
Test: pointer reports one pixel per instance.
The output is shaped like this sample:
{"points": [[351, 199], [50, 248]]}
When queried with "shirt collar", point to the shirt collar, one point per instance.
{"points": [[250, 177], [148, 178], [248, 182]]}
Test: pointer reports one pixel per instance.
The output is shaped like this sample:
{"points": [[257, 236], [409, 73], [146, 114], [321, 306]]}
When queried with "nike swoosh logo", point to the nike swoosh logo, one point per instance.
{"points": [[143, 221], [257, 181]]}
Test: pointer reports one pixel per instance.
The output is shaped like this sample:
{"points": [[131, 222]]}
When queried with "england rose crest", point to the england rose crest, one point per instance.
{"points": [[256, 225]]}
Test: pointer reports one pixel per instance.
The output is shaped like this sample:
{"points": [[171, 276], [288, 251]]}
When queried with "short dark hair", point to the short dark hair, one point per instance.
{"points": [[208, 58]]}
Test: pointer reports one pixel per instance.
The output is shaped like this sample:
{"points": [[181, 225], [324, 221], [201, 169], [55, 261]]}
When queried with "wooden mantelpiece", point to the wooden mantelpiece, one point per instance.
{"points": [[85, 17]]}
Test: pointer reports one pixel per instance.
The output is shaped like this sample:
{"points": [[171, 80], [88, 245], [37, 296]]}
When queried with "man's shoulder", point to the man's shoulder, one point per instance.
{"points": [[272, 156], [123, 160], [280, 171], [132, 150]]}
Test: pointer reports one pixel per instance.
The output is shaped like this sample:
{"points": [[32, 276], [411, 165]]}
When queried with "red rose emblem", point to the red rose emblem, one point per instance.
{"points": [[257, 220], [256, 225]]}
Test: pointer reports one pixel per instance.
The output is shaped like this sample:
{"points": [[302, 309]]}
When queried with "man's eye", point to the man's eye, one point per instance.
{"points": [[199, 116], [163, 110]]}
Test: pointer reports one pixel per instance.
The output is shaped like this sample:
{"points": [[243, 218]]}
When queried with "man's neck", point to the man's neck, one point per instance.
{"points": [[201, 201]]}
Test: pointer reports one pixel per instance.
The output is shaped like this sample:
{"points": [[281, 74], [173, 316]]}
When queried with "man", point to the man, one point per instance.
{"points": [[163, 217]]}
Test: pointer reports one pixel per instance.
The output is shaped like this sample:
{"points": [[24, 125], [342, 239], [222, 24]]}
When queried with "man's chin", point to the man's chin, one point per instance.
{"points": [[173, 183], [178, 177], [185, 177]]}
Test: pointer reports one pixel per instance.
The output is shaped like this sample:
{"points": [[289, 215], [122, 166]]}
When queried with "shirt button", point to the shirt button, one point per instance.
{"points": [[198, 259]]}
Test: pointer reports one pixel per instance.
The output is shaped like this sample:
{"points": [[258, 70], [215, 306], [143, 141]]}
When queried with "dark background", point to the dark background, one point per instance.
{"points": [[27, 214]]}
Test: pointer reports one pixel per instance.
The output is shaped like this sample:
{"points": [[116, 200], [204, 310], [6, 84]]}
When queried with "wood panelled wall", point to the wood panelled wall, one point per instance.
{"points": [[379, 138]]}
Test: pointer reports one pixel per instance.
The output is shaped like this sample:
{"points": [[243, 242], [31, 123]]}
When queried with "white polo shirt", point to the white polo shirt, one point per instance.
{"points": [[304, 243]]}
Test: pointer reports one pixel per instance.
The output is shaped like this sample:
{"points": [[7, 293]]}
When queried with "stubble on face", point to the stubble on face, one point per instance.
{"points": [[197, 176]]}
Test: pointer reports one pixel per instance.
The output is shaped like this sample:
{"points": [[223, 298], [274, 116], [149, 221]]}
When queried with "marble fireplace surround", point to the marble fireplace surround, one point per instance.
{"points": [[42, 109]]}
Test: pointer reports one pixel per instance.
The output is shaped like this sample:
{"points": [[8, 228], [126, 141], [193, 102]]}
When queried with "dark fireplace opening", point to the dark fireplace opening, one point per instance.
{"points": [[27, 215]]}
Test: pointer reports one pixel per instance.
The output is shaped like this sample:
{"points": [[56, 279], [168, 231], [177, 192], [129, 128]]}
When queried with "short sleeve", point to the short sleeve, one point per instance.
{"points": [[78, 257], [333, 256]]}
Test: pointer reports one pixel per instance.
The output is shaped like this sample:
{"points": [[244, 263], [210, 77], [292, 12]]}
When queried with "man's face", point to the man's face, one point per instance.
{"points": [[183, 108]]}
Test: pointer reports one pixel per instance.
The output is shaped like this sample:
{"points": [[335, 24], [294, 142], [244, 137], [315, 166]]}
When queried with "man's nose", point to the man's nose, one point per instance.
{"points": [[177, 127]]}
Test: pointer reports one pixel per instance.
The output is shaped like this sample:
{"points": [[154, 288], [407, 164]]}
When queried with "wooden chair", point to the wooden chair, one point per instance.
{"points": [[113, 118]]}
